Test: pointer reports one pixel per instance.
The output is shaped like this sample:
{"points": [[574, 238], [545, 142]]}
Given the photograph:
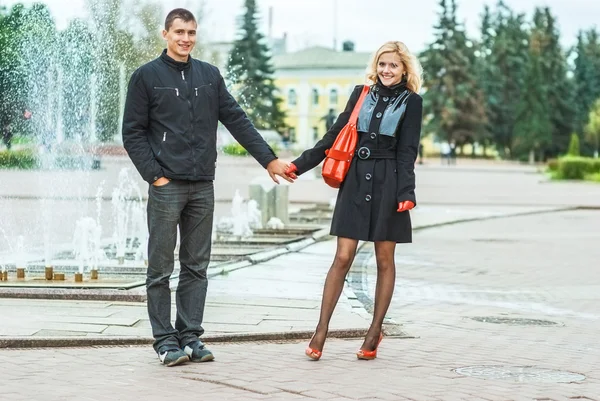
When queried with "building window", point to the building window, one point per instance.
{"points": [[333, 97], [292, 132], [292, 97], [315, 133], [315, 97]]}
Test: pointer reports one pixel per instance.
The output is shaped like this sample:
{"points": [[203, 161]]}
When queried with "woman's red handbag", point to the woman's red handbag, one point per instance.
{"points": [[337, 162]]}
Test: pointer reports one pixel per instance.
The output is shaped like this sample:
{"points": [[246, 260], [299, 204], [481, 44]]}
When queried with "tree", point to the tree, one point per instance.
{"points": [[251, 73], [37, 70], [454, 101], [586, 76], [560, 101], [105, 14], [533, 128], [592, 129], [77, 65], [149, 43], [503, 56], [11, 75]]}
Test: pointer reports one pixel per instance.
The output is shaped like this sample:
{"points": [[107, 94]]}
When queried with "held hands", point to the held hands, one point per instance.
{"points": [[404, 206], [291, 171], [278, 168]]}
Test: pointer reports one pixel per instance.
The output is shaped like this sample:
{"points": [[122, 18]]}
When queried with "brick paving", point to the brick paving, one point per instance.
{"points": [[542, 266]]}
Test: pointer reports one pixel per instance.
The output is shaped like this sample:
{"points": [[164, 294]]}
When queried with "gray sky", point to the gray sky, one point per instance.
{"points": [[311, 22]]}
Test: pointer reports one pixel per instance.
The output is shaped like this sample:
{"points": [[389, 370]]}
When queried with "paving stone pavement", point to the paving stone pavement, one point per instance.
{"points": [[540, 265], [417, 369]]}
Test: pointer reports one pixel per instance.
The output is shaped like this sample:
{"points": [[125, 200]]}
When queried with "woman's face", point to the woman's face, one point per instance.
{"points": [[390, 69]]}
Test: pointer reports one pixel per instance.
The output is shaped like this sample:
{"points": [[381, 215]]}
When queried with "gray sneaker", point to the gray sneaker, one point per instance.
{"points": [[173, 357], [198, 352]]}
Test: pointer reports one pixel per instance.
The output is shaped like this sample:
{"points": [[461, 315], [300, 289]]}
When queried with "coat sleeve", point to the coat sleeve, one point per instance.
{"points": [[310, 158], [236, 121], [407, 149], [135, 130]]}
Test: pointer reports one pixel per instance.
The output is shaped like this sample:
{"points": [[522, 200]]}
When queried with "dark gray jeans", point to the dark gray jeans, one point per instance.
{"points": [[189, 204]]}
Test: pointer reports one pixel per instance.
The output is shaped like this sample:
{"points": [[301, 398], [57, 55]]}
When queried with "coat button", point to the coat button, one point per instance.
{"points": [[385, 99], [368, 198], [368, 176], [373, 135], [378, 115]]}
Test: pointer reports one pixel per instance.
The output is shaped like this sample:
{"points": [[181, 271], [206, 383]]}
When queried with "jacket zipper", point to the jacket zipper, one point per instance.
{"points": [[164, 137], [166, 87], [201, 86], [182, 75]]}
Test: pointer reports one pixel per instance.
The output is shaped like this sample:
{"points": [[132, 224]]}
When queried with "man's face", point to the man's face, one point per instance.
{"points": [[181, 38]]}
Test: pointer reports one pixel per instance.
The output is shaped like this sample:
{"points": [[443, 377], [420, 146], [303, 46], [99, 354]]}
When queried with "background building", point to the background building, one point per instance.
{"points": [[314, 80]]}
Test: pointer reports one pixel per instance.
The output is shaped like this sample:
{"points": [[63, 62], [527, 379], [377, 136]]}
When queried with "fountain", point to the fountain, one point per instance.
{"points": [[66, 235]]}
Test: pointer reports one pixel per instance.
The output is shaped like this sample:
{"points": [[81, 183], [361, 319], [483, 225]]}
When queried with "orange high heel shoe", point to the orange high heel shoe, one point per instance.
{"points": [[312, 353], [368, 355]]}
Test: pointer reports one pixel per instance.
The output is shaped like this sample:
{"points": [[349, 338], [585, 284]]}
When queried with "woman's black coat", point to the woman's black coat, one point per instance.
{"points": [[368, 198]]}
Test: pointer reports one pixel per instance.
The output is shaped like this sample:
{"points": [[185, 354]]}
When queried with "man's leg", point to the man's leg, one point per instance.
{"points": [[194, 256], [165, 204]]}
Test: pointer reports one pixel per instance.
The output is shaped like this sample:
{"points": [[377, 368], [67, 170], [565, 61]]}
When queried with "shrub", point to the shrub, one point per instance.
{"points": [[574, 146], [552, 165], [234, 149], [22, 159], [576, 168], [593, 177]]}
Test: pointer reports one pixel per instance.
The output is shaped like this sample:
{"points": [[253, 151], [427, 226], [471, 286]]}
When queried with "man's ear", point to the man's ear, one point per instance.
{"points": [[164, 34]]}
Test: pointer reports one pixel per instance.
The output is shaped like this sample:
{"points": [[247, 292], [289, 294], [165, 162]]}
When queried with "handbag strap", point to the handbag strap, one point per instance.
{"points": [[358, 105]]}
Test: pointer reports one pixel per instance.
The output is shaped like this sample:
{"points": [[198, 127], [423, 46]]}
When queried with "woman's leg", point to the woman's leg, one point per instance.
{"points": [[384, 289], [334, 284]]}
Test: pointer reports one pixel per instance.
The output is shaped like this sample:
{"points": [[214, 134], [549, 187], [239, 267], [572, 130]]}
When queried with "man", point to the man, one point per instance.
{"points": [[170, 121], [329, 118], [7, 135]]}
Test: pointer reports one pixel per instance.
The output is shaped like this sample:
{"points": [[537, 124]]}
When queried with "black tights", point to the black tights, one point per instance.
{"points": [[334, 284]]}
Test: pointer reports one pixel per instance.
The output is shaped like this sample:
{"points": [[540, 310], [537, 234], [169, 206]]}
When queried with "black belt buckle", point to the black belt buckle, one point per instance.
{"points": [[363, 153]]}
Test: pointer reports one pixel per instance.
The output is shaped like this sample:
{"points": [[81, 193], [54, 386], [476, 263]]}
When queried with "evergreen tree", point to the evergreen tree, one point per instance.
{"points": [[38, 70], [251, 73], [77, 66], [586, 76], [105, 14], [12, 76], [533, 128], [560, 95], [592, 128], [454, 100], [503, 60]]}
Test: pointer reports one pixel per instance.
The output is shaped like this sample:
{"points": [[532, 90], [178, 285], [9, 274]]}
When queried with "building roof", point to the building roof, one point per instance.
{"points": [[321, 57]]}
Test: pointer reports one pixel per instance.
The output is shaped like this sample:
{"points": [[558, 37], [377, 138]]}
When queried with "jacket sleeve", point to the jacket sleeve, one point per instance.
{"points": [[135, 130], [237, 123], [310, 158], [407, 149]]}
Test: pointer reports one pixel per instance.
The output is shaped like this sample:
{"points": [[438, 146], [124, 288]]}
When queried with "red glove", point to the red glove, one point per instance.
{"points": [[291, 170], [404, 206]]}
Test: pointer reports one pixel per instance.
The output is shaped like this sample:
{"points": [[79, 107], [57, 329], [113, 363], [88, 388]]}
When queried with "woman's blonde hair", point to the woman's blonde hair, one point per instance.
{"points": [[412, 67]]}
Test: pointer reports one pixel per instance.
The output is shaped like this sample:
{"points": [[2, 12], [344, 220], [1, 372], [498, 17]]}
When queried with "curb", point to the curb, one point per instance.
{"points": [[62, 342], [134, 295], [503, 216]]}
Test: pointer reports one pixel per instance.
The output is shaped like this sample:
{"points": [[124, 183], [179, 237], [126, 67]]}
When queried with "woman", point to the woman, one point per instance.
{"points": [[378, 191]]}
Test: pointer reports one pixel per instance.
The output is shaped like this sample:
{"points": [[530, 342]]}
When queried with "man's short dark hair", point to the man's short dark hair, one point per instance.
{"points": [[180, 13]]}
